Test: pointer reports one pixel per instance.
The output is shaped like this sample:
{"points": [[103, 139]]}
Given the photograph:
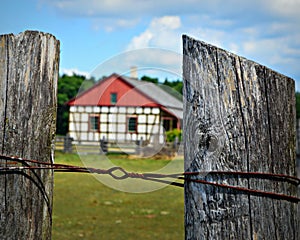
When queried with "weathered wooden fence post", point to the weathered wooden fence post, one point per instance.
{"points": [[238, 116], [29, 65], [103, 146], [68, 144]]}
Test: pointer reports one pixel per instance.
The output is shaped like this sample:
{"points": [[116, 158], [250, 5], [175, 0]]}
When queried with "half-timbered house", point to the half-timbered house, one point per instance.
{"points": [[123, 109]]}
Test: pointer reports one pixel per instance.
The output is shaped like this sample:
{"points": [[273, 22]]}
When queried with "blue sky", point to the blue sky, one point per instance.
{"points": [[99, 37]]}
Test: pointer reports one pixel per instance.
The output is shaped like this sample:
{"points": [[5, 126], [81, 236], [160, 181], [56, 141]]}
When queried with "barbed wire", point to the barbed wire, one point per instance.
{"points": [[119, 173]]}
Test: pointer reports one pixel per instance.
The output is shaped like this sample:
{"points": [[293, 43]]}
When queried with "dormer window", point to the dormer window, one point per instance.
{"points": [[113, 98]]}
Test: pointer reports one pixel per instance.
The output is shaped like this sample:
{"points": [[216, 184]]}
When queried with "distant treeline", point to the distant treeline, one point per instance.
{"points": [[298, 105]]}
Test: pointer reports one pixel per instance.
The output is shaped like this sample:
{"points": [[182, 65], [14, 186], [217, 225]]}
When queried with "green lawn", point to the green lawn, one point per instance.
{"points": [[84, 208]]}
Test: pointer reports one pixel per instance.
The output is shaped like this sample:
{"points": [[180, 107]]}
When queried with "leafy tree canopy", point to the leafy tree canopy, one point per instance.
{"points": [[177, 85], [298, 105], [67, 88], [149, 79]]}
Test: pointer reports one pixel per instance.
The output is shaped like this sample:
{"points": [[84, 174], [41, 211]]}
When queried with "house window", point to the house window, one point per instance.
{"points": [[113, 98], [132, 124], [94, 123]]}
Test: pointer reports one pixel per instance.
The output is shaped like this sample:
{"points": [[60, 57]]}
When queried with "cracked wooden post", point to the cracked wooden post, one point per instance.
{"points": [[238, 116], [29, 65]]}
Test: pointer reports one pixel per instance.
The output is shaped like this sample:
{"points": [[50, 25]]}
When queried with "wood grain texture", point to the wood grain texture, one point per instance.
{"points": [[238, 116], [28, 82]]}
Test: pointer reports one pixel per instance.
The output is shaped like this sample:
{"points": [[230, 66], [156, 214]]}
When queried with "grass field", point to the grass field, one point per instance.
{"points": [[84, 208]]}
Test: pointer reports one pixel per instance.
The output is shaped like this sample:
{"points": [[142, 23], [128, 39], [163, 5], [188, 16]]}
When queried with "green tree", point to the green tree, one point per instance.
{"points": [[177, 85], [67, 88], [149, 79], [297, 105]]}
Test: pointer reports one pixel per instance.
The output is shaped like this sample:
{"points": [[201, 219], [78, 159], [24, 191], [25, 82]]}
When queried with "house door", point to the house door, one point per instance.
{"points": [[169, 124]]}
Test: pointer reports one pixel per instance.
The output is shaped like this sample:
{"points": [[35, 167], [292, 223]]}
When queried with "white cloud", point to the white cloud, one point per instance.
{"points": [[72, 71], [162, 62], [265, 31], [157, 48], [141, 41], [280, 54], [209, 35], [289, 9], [110, 25], [96, 8], [267, 44], [234, 48], [134, 8], [165, 23], [161, 32]]}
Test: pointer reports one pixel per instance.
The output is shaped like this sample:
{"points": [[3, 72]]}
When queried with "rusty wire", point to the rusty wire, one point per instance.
{"points": [[119, 173]]}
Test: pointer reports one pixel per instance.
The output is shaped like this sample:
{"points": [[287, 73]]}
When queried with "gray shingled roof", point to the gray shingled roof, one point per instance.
{"points": [[172, 104]]}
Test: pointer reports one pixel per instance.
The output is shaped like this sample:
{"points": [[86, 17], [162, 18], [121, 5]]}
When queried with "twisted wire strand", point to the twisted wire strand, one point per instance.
{"points": [[119, 173]]}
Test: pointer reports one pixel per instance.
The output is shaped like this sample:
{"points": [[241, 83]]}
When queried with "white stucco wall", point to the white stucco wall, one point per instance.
{"points": [[113, 123]]}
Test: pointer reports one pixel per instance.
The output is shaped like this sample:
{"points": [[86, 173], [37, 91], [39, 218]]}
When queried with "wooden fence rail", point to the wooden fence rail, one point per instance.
{"points": [[68, 145], [28, 77], [238, 116]]}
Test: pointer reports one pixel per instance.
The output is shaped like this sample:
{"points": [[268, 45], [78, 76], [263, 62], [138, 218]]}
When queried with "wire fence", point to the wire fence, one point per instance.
{"points": [[16, 165], [68, 145]]}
